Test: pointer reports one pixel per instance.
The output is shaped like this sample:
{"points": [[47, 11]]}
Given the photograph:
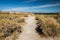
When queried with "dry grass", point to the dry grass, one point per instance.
{"points": [[50, 25], [10, 24]]}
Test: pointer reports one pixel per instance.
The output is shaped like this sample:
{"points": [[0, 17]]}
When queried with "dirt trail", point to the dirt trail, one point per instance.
{"points": [[29, 32]]}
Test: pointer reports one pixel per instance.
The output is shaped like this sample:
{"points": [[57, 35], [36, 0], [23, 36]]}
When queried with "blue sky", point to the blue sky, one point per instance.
{"points": [[30, 5]]}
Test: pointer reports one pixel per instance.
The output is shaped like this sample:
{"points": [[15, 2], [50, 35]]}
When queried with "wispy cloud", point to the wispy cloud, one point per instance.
{"points": [[49, 5], [17, 9], [28, 1], [28, 8]]}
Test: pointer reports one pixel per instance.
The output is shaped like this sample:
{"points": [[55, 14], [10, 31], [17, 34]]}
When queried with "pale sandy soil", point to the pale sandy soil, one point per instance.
{"points": [[29, 32]]}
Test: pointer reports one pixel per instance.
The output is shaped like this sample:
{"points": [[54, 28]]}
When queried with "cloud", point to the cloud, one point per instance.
{"points": [[29, 1], [17, 9], [31, 8], [49, 5]]}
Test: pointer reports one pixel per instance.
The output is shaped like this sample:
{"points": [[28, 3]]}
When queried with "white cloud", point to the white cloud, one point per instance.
{"points": [[17, 9], [49, 5], [29, 1], [28, 8]]}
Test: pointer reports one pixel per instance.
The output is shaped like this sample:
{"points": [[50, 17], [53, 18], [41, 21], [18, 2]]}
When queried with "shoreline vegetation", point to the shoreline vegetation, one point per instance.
{"points": [[48, 24]]}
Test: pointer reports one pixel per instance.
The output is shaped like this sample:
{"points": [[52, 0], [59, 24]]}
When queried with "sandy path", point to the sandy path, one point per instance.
{"points": [[29, 32]]}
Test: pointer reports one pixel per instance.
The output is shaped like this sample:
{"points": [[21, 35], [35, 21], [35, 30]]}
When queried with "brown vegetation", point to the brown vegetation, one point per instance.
{"points": [[48, 25], [11, 24]]}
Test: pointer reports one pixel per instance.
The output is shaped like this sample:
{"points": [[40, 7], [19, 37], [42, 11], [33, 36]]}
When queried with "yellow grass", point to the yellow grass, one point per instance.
{"points": [[49, 23]]}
